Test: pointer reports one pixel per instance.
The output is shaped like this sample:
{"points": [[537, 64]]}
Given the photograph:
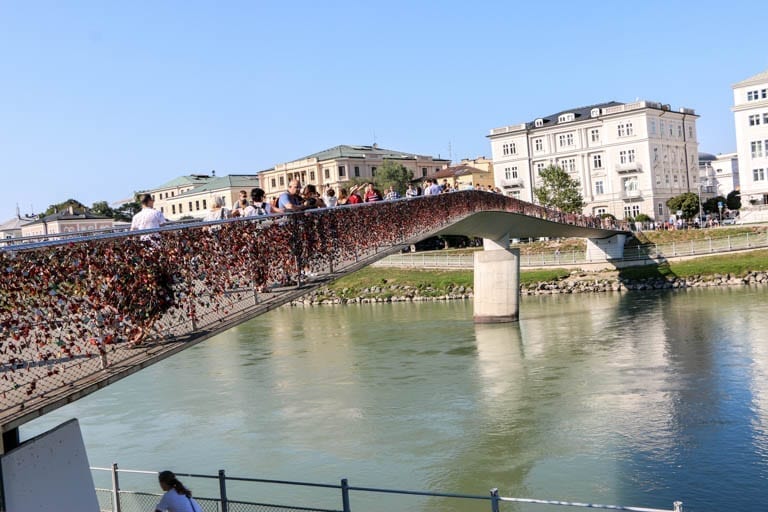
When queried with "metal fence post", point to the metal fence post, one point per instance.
{"points": [[115, 489], [747, 239], [345, 495], [494, 500], [223, 491], [678, 506], [710, 244]]}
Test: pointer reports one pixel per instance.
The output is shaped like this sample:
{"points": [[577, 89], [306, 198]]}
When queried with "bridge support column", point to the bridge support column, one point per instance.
{"points": [[497, 282], [602, 249]]}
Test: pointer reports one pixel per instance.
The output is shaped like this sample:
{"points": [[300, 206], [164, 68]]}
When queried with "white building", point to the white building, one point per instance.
{"points": [[718, 174], [192, 195], [336, 166], [67, 221], [630, 158], [750, 112]]}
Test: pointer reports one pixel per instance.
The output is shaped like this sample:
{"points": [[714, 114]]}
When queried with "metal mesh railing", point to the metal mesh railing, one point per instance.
{"points": [[75, 315], [135, 501]]}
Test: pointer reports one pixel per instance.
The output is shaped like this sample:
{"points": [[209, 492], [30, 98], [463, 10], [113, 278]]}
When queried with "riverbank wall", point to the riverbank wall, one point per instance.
{"points": [[577, 282]]}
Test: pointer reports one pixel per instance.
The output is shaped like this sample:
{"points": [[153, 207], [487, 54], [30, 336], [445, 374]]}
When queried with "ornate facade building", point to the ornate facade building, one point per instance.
{"points": [[629, 158]]}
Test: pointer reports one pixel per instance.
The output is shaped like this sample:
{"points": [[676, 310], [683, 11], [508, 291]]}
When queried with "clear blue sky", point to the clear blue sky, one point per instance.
{"points": [[100, 99]]}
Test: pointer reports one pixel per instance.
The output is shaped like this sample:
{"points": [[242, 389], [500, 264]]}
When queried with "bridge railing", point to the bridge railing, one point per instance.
{"points": [[221, 495], [71, 310]]}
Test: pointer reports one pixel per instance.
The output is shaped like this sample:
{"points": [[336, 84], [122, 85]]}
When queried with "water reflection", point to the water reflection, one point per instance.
{"points": [[633, 398]]}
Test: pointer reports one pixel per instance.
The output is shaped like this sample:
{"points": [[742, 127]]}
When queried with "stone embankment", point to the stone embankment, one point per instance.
{"points": [[577, 282]]}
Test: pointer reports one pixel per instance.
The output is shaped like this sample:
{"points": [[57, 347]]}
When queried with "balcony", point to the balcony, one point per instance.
{"points": [[632, 195], [512, 183], [629, 167]]}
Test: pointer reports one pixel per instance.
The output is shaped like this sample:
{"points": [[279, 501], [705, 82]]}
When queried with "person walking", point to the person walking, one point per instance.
{"points": [[148, 217]]}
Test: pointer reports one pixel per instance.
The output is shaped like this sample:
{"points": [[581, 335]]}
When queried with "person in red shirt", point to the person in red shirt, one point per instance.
{"points": [[371, 194], [354, 197]]}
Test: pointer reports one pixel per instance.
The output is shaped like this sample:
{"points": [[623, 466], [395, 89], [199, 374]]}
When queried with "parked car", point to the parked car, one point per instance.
{"points": [[428, 244]]}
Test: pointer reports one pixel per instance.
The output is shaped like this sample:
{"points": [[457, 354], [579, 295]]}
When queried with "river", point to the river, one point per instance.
{"points": [[637, 399]]}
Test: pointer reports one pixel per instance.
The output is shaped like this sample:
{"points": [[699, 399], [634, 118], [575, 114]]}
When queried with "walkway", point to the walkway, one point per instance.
{"points": [[76, 316]]}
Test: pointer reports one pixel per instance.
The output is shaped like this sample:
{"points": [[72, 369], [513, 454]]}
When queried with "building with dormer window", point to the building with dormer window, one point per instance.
{"points": [[629, 158]]}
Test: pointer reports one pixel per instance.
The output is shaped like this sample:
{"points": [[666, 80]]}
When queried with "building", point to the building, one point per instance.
{"points": [[67, 221], [718, 174], [336, 166], [191, 195], [469, 174], [750, 113], [629, 158], [12, 228]]}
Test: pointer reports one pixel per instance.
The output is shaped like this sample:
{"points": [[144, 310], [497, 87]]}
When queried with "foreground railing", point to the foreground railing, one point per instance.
{"points": [[115, 498], [72, 311]]}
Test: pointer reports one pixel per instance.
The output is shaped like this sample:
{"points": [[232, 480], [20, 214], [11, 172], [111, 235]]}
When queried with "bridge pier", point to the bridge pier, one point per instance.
{"points": [[601, 249], [497, 282]]}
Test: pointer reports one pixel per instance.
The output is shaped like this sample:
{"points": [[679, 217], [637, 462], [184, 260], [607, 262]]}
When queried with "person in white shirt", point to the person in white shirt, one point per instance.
{"points": [[177, 498], [148, 217]]}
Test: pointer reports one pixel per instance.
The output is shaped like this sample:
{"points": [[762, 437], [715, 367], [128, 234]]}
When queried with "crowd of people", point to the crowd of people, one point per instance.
{"points": [[81, 299]]}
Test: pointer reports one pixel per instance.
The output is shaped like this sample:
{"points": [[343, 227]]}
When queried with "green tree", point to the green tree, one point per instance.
{"points": [[733, 201], [76, 205], [102, 208], [559, 190], [710, 205], [687, 202], [126, 211], [395, 174]]}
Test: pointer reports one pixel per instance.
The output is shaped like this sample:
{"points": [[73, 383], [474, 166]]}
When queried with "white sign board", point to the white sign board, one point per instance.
{"points": [[49, 472]]}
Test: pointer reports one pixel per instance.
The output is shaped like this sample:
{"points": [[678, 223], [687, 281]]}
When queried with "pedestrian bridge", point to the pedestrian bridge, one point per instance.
{"points": [[78, 314]]}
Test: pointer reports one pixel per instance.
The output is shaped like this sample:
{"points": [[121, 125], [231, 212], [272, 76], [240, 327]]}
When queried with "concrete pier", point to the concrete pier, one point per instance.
{"points": [[497, 283]]}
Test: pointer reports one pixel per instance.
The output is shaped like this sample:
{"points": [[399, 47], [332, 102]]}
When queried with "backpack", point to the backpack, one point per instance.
{"points": [[261, 209]]}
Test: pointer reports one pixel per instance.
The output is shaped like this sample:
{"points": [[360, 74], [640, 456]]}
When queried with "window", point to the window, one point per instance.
{"points": [[373, 171], [327, 173], [627, 212], [509, 149], [660, 209], [630, 129], [190, 206], [594, 135], [173, 209], [757, 148], [752, 96], [661, 128], [181, 207], [690, 131], [515, 194], [680, 131], [566, 118], [568, 164], [357, 172], [510, 173], [599, 190], [539, 167], [205, 204], [601, 211], [622, 130], [273, 182], [566, 139], [342, 171], [311, 175], [765, 118], [597, 161], [652, 127], [764, 93], [173, 193], [758, 174], [282, 181], [538, 144], [162, 210], [754, 120], [538, 123], [197, 206], [423, 172]]}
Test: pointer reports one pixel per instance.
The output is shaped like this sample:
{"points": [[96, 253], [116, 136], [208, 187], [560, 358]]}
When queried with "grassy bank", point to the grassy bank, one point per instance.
{"points": [[439, 282]]}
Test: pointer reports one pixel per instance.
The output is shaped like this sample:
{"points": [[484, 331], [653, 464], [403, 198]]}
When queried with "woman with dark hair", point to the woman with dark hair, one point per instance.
{"points": [[177, 498]]}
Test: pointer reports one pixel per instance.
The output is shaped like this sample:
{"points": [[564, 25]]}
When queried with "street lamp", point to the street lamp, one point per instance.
{"points": [[701, 208]]}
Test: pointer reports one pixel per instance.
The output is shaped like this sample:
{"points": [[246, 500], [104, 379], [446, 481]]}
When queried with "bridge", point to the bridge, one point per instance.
{"points": [[79, 314]]}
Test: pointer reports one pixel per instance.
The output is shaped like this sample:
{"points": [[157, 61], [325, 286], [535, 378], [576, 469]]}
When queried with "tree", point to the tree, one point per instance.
{"points": [[76, 205], [102, 208], [126, 211], [733, 201], [559, 190], [710, 205], [687, 202], [395, 174]]}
